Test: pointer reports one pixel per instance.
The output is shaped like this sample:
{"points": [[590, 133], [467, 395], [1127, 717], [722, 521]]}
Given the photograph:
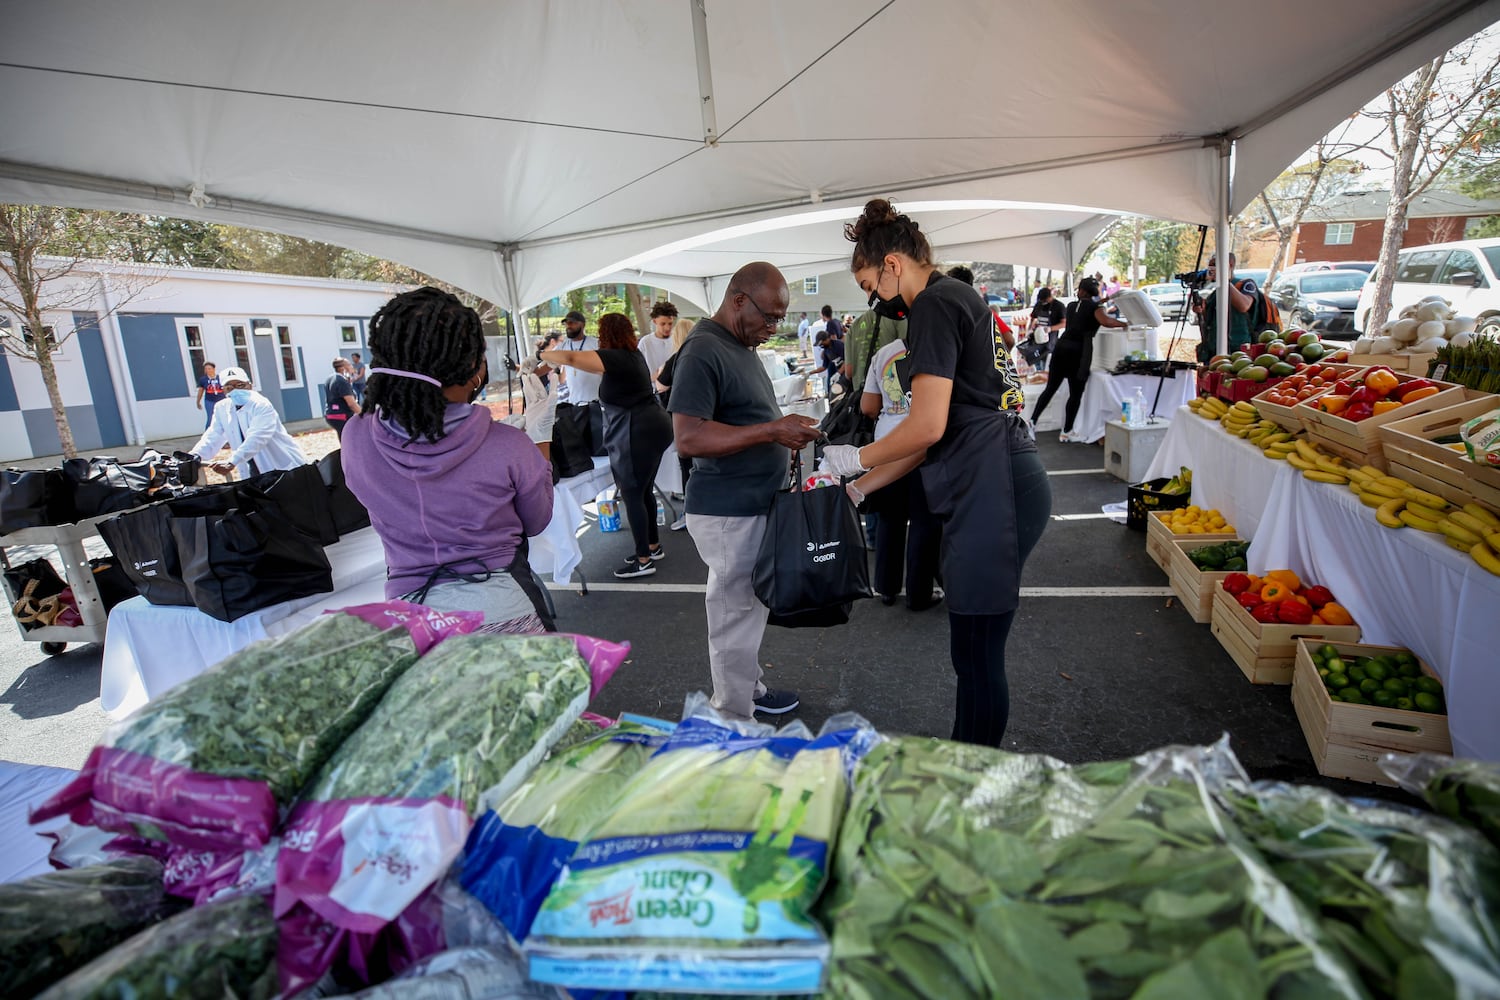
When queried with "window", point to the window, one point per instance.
{"points": [[241, 342], [1420, 265], [1460, 269], [288, 355], [350, 334], [47, 332], [810, 285], [193, 334], [1338, 233]]}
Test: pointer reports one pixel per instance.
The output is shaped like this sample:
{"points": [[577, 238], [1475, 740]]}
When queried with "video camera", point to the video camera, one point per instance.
{"points": [[1193, 279]]}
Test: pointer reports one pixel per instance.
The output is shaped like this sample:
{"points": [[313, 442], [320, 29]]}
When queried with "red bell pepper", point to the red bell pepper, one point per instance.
{"points": [[1318, 596], [1344, 386], [1266, 613], [1358, 411], [1364, 394], [1237, 583], [1412, 386], [1294, 613], [1248, 600]]}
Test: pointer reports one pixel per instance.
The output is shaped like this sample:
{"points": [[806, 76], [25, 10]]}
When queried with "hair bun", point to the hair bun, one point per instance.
{"points": [[878, 212]]}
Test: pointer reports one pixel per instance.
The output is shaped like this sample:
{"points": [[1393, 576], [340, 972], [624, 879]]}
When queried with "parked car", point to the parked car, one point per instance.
{"points": [[1169, 298], [1465, 272], [1255, 274], [1328, 265], [1319, 300]]}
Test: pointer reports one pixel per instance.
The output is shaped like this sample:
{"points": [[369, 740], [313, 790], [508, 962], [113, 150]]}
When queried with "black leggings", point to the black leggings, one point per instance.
{"points": [[977, 642], [907, 541], [639, 501], [1070, 363]]}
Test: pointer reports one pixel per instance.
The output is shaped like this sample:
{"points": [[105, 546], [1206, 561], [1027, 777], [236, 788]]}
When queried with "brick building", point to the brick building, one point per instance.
{"points": [[1350, 226]]}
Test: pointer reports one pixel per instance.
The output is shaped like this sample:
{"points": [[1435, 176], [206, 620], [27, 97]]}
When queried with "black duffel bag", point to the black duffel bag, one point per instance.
{"points": [[349, 515], [812, 563], [30, 498], [296, 496], [103, 485], [236, 563]]}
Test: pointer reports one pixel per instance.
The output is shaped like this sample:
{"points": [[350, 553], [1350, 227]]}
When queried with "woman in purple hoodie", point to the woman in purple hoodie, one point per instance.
{"points": [[451, 493]]}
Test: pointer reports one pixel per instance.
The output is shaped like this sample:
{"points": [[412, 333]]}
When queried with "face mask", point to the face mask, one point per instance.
{"points": [[240, 396], [894, 307]]}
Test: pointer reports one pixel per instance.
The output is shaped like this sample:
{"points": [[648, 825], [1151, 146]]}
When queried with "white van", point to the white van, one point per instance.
{"points": [[1466, 273]]}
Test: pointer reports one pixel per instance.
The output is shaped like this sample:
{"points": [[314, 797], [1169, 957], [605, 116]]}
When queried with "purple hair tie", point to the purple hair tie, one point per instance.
{"points": [[401, 374]]}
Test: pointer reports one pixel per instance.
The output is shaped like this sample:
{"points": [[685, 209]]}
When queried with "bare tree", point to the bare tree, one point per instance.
{"points": [[41, 249], [1288, 198], [1428, 119]]}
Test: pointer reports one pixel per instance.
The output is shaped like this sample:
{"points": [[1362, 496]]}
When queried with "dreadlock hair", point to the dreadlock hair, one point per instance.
{"points": [[616, 333], [882, 230], [429, 332]]}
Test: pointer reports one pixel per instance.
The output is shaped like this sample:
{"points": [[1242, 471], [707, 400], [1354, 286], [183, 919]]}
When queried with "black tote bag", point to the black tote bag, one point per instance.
{"points": [[297, 497], [349, 515], [237, 563], [572, 437], [812, 560], [30, 498], [145, 552]]}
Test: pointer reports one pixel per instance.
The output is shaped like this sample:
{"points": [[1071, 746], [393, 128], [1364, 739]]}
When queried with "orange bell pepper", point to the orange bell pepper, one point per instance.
{"points": [[1317, 619], [1382, 380], [1255, 583], [1416, 394], [1387, 405], [1335, 614], [1332, 404], [1274, 592], [1286, 578]]}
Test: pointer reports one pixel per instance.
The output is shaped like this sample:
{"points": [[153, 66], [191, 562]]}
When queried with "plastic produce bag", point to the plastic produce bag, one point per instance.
{"points": [[389, 812], [494, 973], [703, 875], [1464, 790], [516, 851], [964, 871], [210, 764], [219, 950], [53, 923]]}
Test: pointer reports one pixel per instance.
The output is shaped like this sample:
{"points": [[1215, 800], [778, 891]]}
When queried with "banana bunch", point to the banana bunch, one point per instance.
{"points": [[1240, 419], [1269, 437], [1398, 504], [1209, 407], [1315, 465], [1181, 484]]}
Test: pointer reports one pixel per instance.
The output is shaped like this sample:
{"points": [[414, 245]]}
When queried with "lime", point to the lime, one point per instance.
{"points": [[1354, 697], [1427, 702], [1429, 685], [1369, 686], [1327, 651], [1397, 685], [1334, 663], [1323, 672], [1376, 670], [1404, 656], [1410, 669], [1405, 704], [1336, 680], [1357, 673], [1383, 698]]}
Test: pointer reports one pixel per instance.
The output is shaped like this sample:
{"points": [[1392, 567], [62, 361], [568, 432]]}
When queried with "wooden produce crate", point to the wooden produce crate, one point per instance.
{"points": [[1195, 587], [1265, 653], [1402, 364], [1347, 741], [1412, 455], [1361, 442], [1159, 539]]}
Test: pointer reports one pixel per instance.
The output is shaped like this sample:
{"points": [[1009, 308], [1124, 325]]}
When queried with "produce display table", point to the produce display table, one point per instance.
{"points": [[1230, 475], [1104, 394], [1404, 588]]}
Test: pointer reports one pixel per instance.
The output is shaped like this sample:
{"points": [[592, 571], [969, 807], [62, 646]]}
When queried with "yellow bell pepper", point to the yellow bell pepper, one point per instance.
{"points": [[1285, 577]]}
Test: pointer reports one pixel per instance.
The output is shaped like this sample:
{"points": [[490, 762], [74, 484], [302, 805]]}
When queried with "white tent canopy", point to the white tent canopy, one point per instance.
{"points": [[516, 148]]}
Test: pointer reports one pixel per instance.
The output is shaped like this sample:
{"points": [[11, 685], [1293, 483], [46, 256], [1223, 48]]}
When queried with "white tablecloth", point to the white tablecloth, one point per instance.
{"points": [[1404, 588], [1104, 394], [1229, 474], [23, 851]]}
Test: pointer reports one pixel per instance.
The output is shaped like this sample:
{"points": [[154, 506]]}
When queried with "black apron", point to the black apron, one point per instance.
{"points": [[970, 488], [634, 439]]}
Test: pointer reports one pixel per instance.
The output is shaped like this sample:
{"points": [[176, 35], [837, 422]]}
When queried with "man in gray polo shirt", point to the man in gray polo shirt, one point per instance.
{"points": [[726, 419]]}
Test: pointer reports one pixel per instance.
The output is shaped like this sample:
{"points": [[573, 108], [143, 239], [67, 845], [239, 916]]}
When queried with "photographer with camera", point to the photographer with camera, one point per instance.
{"points": [[1243, 296]]}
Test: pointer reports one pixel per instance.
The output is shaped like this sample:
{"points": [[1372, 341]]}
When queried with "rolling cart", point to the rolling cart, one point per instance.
{"points": [[68, 539]]}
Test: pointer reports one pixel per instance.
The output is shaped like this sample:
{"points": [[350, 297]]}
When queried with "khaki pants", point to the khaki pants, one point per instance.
{"points": [[736, 619]]}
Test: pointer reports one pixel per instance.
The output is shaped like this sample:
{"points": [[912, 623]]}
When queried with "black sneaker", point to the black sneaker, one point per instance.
{"points": [[634, 569], [657, 555], [775, 702]]}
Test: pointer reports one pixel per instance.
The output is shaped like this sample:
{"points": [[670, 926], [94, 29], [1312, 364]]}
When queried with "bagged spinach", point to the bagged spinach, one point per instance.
{"points": [[964, 871], [223, 949], [516, 850], [51, 924], [1464, 790], [210, 764], [703, 875], [388, 813]]}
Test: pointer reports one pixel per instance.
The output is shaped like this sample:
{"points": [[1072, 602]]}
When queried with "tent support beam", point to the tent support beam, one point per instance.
{"points": [[520, 332], [1222, 247], [705, 73]]}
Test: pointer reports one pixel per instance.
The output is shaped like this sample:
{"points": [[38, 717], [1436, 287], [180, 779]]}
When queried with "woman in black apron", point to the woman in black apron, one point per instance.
{"points": [[1074, 354], [982, 476], [637, 431]]}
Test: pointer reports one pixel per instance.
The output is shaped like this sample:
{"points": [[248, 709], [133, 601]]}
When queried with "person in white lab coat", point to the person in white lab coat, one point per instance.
{"points": [[247, 422]]}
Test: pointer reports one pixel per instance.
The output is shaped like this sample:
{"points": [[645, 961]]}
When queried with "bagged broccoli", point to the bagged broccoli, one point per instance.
{"points": [[703, 875], [223, 949], [209, 765], [516, 851], [387, 815], [51, 924]]}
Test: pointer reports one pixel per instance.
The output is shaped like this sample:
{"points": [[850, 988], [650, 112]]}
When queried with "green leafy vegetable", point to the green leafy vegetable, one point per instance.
{"points": [[225, 949], [53, 923]]}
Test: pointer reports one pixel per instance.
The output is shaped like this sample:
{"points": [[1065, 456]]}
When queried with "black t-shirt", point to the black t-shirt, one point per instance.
{"points": [[834, 327], [833, 355], [626, 381], [1050, 312], [337, 387], [720, 379], [951, 333], [1083, 322]]}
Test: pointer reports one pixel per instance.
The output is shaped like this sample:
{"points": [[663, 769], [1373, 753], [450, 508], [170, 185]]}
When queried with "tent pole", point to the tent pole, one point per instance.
{"points": [[519, 332], [705, 73], [1222, 248]]}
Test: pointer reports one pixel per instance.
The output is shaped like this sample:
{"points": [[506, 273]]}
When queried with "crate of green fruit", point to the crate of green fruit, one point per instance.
{"points": [[1197, 566], [1358, 702]]}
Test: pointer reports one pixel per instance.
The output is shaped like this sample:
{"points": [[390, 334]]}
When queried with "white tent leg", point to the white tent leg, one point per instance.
{"points": [[519, 330], [1222, 248]]}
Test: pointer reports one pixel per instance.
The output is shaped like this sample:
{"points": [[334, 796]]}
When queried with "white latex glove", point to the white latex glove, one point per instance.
{"points": [[842, 460]]}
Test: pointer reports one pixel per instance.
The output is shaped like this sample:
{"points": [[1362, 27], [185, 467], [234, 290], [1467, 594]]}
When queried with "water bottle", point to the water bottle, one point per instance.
{"points": [[1125, 414], [661, 512], [1138, 409]]}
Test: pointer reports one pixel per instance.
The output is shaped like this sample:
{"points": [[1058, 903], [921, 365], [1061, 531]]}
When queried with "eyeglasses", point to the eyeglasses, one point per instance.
{"points": [[771, 321]]}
